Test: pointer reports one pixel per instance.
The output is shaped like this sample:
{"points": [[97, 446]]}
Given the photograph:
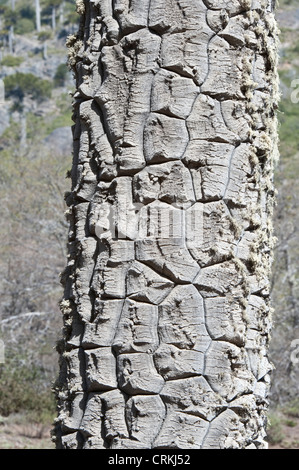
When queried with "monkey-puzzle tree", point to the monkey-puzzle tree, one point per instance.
{"points": [[166, 305]]}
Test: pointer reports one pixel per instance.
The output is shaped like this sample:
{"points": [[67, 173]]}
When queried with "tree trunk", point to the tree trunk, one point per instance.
{"points": [[53, 18], [23, 131], [166, 305], [37, 16], [11, 40], [45, 50], [61, 13]]}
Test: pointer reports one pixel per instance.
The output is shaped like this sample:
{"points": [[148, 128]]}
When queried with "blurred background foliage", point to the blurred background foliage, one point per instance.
{"points": [[35, 155]]}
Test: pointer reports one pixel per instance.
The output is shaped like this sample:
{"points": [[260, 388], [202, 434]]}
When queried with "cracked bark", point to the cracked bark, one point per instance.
{"points": [[165, 340]]}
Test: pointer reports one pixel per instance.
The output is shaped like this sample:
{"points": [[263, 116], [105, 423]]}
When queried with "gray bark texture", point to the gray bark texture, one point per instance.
{"points": [[166, 334]]}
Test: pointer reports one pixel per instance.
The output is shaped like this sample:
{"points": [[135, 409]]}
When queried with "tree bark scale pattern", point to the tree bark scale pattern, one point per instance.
{"points": [[164, 343]]}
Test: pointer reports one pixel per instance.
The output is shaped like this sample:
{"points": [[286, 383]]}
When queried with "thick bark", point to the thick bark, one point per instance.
{"points": [[166, 331]]}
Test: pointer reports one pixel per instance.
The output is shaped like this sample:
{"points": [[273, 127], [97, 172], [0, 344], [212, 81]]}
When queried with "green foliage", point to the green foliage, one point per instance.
{"points": [[72, 17], [43, 127], [291, 423], [60, 75], [51, 3], [22, 18], [283, 3], [289, 49], [289, 115], [12, 61], [289, 128], [21, 388], [24, 26], [20, 84], [295, 48], [9, 17], [275, 431], [63, 120], [44, 35], [292, 409], [32, 183], [26, 11]]}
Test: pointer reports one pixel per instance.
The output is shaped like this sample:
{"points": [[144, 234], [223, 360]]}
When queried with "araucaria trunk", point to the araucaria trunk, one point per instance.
{"points": [[166, 305]]}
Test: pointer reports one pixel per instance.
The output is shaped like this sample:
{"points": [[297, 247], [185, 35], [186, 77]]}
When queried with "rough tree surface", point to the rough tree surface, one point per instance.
{"points": [[165, 339]]}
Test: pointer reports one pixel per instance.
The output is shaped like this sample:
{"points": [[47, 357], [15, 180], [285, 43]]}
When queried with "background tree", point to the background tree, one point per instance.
{"points": [[37, 16], [21, 19], [21, 85], [52, 6], [165, 341]]}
